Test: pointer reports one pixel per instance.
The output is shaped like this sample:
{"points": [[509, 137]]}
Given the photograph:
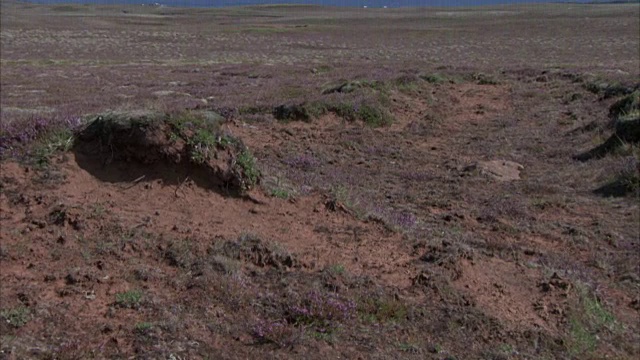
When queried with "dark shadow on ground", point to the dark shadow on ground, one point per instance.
{"points": [[601, 150], [613, 189], [132, 147], [170, 174]]}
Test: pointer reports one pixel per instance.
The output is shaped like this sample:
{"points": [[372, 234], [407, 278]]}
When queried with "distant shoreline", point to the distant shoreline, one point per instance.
{"points": [[331, 3]]}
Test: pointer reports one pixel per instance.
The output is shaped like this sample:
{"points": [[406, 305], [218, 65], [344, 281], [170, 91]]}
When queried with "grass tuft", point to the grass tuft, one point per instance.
{"points": [[434, 78], [382, 310], [129, 299], [247, 170], [374, 116], [16, 317], [586, 322], [484, 79]]}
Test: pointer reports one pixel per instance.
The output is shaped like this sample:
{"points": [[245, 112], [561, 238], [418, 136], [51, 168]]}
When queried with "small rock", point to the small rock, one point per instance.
{"points": [[501, 170]]}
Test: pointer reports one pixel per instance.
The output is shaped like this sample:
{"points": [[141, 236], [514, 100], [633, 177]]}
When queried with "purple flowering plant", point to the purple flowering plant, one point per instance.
{"points": [[17, 136], [321, 311], [303, 162]]}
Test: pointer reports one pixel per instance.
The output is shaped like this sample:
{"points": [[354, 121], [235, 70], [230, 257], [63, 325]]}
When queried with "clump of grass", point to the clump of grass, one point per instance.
{"points": [[306, 111], [343, 86], [382, 309], [606, 89], [406, 83], [129, 299], [349, 86], [345, 110], [629, 175], [371, 114], [16, 317], [277, 187], [336, 269], [201, 133], [316, 109], [295, 112], [203, 144], [246, 170], [142, 327], [225, 264], [627, 106], [58, 141], [180, 254], [253, 110], [484, 79], [280, 193], [581, 339], [374, 116], [587, 320], [434, 78], [341, 197], [596, 86]]}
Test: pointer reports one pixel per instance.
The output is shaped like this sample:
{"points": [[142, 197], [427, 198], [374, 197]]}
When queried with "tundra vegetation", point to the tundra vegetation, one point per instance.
{"points": [[318, 183]]}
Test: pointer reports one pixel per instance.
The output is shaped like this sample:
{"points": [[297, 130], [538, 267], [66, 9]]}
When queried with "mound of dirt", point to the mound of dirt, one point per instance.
{"points": [[192, 140]]}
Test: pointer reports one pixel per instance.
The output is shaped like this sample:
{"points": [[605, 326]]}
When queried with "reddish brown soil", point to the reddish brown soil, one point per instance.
{"points": [[410, 250], [461, 255]]}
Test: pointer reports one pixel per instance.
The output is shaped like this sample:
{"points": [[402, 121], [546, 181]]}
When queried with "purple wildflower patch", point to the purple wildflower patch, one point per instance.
{"points": [[403, 220], [16, 135], [324, 312], [302, 162]]}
